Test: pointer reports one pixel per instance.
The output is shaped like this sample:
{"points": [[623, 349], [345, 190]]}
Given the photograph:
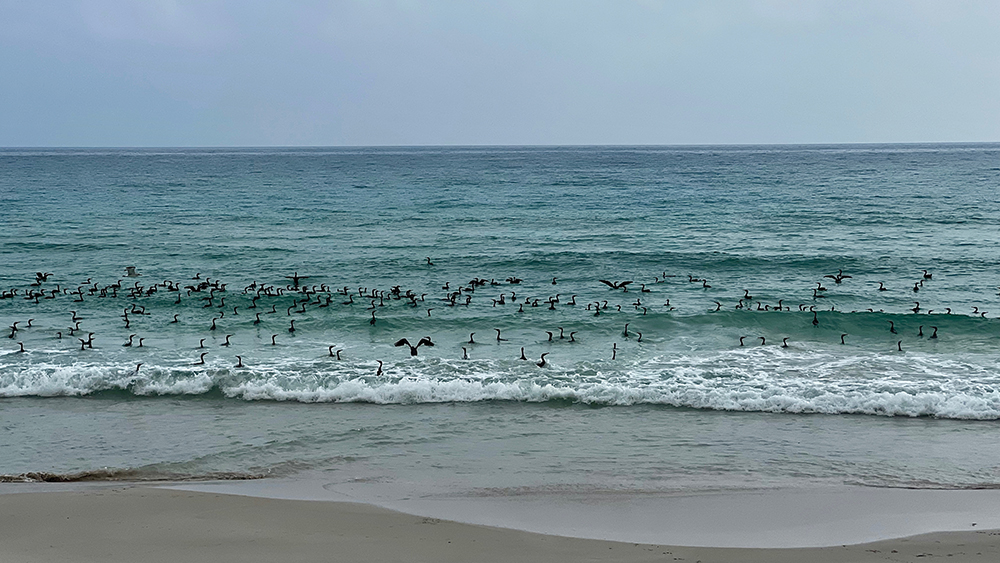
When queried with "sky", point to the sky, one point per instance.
{"points": [[411, 72]]}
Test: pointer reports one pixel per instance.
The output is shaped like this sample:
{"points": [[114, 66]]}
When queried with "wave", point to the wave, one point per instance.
{"points": [[763, 379], [124, 474]]}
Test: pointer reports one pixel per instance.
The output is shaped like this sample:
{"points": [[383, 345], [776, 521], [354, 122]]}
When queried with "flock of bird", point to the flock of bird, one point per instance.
{"points": [[259, 299]]}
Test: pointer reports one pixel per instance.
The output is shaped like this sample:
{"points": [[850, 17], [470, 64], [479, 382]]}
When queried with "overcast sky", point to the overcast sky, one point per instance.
{"points": [[412, 72]]}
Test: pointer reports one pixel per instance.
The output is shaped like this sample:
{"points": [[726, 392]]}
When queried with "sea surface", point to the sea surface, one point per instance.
{"points": [[652, 392]]}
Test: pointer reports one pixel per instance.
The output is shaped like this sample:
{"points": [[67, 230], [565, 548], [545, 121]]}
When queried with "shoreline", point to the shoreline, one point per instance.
{"points": [[146, 524]]}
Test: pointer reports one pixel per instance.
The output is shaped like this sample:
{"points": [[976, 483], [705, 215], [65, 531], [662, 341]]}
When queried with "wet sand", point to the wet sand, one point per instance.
{"points": [[143, 524]]}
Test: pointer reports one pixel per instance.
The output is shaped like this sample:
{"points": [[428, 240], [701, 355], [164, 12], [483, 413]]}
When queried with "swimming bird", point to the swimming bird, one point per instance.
{"points": [[920, 331], [21, 344], [935, 332], [614, 351], [550, 335], [379, 371], [522, 353], [542, 362], [471, 341], [625, 332], [815, 319], [553, 281], [917, 308], [842, 338], [640, 336], [429, 263], [273, 343], [899, 345], [498, 336], [465, 353], [129, 343], [291, 328], [892, 327], [201, 343], [927, 276], [413, 349], [571, 339], [175, 319], [741, 340], [201, 361], [882, 287], [784, 342], [762, 341], [226, 343], [372, 321]]}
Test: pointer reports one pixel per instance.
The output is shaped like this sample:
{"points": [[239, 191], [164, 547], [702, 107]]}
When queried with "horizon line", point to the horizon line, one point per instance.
{"points": [[416, 146]]}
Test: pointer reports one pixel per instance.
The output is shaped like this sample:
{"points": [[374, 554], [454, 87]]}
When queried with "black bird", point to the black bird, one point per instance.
{"points": [[935, 332], [927, 276], [465, 353], [616, 285], [129, 343], [471, 341], [292, 327], [892, 327], [239, 361], [413, 349], [784, 342], [498, 336], [842, 338], [226, 343], [522, 353], [741, 340], [379, 371], [542, 363], [201, 361]]}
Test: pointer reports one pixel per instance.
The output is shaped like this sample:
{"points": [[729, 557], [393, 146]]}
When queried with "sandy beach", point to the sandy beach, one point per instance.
{"points": [[145, 524]]}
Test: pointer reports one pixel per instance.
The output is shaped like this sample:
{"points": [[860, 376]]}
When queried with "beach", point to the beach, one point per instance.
{"points": [[731, 349], [144, 524]]}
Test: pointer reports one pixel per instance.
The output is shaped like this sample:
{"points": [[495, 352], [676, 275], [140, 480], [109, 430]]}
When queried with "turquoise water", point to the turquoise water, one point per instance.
{"points": [[686, 407]]}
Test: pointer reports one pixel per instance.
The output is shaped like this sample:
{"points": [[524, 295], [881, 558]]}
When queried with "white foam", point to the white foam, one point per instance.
{"points": [[759, 381]]}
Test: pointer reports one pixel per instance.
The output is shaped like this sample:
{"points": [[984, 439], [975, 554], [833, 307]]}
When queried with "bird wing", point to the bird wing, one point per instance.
{"points": [[425, 340], [844, 277], [832, 277], [402, 341], [609, 284], [624, 283]]}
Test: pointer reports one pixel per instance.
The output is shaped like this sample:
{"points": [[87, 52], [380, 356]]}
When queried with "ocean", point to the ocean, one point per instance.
{"points": [[643, 388]]}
